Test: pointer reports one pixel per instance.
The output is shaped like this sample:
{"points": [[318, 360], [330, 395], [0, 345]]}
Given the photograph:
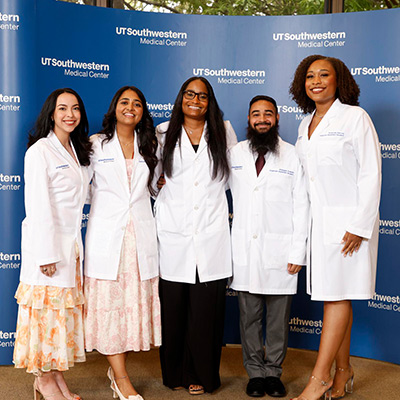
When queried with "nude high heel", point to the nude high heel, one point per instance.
{"points": [[37, 394], [327, 394], [349, 385]]}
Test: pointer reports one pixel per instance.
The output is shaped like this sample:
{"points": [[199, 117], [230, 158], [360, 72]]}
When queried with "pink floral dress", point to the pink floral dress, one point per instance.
{"points": [[123, 315]]}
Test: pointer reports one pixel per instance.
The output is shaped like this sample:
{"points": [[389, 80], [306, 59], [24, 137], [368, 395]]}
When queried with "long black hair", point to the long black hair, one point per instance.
{"points": [[215, 134], [79, 136], [147, 141]]}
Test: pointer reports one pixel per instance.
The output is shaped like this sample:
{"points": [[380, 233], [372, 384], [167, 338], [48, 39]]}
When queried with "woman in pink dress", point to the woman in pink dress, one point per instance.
{"points": [[122, 311], [49, 337]]}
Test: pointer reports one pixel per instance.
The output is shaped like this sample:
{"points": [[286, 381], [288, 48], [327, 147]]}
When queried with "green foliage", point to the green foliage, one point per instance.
{"points": [[245, 7]]}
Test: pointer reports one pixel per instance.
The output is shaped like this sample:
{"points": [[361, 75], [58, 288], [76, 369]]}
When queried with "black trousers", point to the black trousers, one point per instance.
{"points": [[192, 318]]}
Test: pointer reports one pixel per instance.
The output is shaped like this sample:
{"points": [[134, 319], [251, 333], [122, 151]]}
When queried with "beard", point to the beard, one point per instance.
{"points": [[263, 142]]}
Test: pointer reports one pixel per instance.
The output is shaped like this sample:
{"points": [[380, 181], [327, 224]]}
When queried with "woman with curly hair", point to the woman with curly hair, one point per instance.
{"points": [[49, 338], [339, 150], [194, 241], [122, 312]]}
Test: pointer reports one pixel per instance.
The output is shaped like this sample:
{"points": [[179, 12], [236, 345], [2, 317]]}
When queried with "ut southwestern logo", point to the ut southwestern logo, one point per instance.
{"points": [[285, 109], [9, 103], [10, 261], [390, 151], [385, 302], [78, 69], [382, 74], [315, 39], [233, 76], [155, 38], [308, 326], [160, 110], [10, 182], [8, 22], [7, 339], [389, 227]]}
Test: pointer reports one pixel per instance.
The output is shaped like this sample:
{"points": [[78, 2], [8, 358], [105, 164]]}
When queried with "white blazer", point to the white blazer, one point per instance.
{"points": [[192, 215], [111, 204], [55, 192], [342, 164], [270, 217]]}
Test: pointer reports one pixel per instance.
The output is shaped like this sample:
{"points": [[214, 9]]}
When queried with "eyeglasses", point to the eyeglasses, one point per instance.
{"points": [[190, 95]]}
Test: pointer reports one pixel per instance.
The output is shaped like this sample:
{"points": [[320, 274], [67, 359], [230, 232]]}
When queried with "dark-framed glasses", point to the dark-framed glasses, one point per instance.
{"points": [[190, 95]]}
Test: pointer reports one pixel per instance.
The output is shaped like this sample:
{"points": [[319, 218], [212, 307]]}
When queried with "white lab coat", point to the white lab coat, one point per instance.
{"points": [[342, 164], [55, 193], [270, 219], [111, 204], [192, 215]]}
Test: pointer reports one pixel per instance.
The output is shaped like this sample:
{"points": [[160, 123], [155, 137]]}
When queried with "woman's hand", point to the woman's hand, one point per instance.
{"points": [[351, 243], [161, 181], [48, 269], [293, 268]]}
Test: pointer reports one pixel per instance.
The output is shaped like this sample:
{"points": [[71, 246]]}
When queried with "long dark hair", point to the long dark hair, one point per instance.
{"points": [[146, 135], [79, 136], [347, 89], [215, 135]]}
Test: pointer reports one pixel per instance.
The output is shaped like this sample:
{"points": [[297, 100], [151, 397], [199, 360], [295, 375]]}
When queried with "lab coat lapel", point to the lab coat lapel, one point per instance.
{"points": [[120, 163], [203, 141], [249, 163], [326, 120], [63, 151]]}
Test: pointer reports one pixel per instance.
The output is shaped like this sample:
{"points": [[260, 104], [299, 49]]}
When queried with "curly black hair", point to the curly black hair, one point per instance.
{"points": [[347, 90]]}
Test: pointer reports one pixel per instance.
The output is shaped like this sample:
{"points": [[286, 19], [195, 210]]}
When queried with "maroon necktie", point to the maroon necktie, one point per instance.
{"points": [[260, 163]]}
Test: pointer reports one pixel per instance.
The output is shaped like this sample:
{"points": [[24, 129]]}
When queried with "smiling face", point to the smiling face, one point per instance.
{"points": [[67, 114], [195, 108], [129, 109], [262, 116], [321, 82]]}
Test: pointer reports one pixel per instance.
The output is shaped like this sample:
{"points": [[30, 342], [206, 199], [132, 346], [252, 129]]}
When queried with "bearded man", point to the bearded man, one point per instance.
{"points": [[269, 232]]}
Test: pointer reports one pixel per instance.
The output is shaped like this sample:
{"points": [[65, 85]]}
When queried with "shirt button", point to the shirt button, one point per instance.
{"points": [[196, 207], [196, 183], [256, 189], [255, 236], [312, 179]]}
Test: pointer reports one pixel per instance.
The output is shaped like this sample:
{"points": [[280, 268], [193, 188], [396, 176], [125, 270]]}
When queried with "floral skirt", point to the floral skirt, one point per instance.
{"points": [[49, 327], [123, 315]]}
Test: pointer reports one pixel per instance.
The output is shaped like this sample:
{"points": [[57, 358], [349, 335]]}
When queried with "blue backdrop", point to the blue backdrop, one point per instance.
{"points": [[46, 44]]}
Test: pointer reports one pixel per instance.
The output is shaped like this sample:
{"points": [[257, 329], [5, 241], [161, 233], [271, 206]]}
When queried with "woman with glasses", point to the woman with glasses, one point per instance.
{"points": [[193, 234]]}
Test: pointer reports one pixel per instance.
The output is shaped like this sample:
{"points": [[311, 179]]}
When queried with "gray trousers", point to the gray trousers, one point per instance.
{"points": [[260, 363]]}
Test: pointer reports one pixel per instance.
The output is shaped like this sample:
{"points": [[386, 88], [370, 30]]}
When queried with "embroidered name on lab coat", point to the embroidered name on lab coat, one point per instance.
{"points": [[63, 166], [332, 134], [106, 160], [282, 171], [237, 167]]}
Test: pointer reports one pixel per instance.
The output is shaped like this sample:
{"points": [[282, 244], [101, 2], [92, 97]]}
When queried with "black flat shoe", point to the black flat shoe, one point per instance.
{"points": [[273, 386], [255, 387]]}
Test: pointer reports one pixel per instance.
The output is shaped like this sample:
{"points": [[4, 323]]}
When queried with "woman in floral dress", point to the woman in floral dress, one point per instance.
{"points": [[49, 336], [121, 267]]}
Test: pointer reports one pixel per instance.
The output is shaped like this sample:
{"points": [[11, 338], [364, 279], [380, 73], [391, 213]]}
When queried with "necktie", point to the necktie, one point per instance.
{"points": [[260, 163]]}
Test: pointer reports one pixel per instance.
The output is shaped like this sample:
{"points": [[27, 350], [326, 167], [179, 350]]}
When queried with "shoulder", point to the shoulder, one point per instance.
{"points": [[162, 128], [39, 149]]}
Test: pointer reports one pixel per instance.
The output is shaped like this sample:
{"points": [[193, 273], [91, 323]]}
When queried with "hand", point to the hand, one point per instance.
{"points": [[48, 269], [351, 243], [293, 268], [161, 181]]}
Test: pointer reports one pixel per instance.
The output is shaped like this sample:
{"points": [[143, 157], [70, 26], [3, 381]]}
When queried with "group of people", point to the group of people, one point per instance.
{"points": [[156, 276]]}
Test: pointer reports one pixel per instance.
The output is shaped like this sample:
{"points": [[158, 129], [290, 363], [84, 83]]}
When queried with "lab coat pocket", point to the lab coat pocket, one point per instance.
{"points": [[239, 246], [99, 235], [330, 151], [276, 251], [146, 237], [278, 186], [335, 221]]}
